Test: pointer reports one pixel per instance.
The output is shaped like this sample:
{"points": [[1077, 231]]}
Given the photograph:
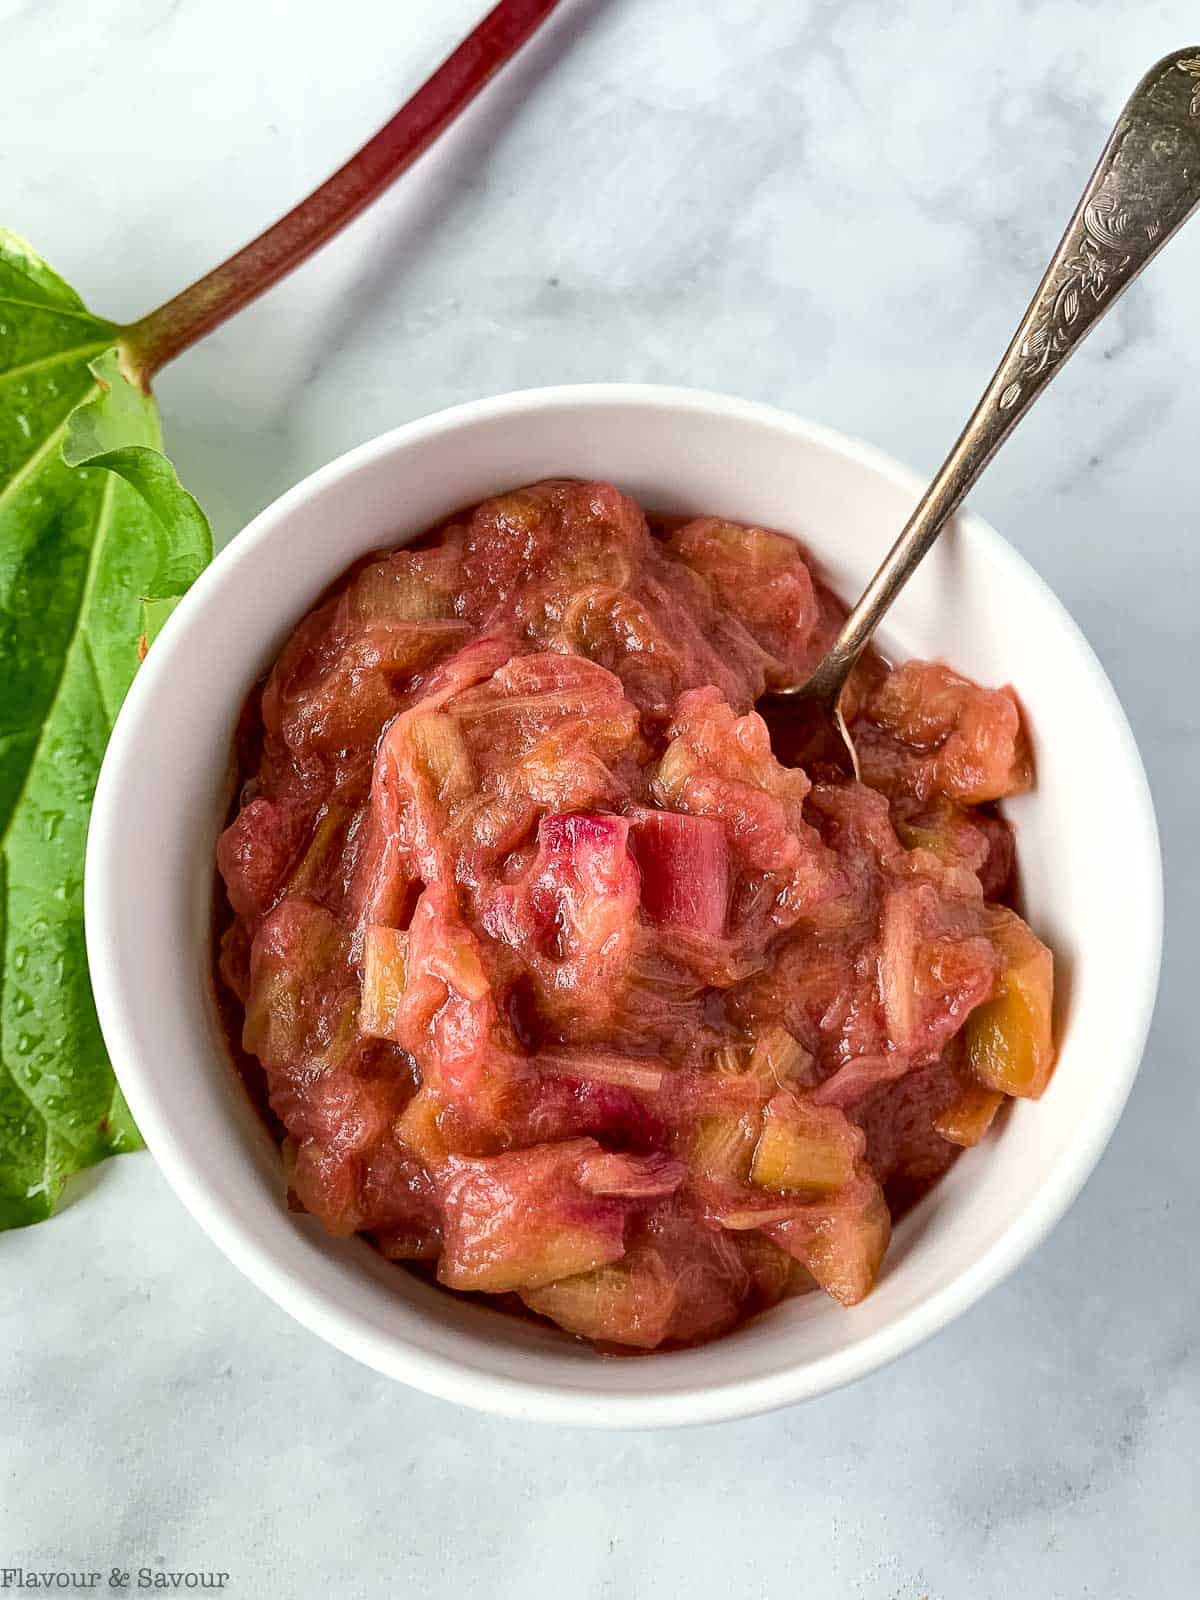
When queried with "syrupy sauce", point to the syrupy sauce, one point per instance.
{"points": [[901, 1194]]}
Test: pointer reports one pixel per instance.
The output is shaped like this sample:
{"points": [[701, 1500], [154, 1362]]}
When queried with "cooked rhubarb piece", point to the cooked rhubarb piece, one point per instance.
{"points": [[905, 1149], [400, 1206], [805, 1146], [841, 1240], [318, 871], [685, 870], [630, 1302], [563, 976], [774, 1274], [883, 972], [676, 1284], [963, 842], [385, 958], [644, 1073], [558, 534], [933, 969], [301, 1010], [652, 644], [861, 1076], [378, 1188], [349, 1107], [759, 577], [418, 1130], [1010, 1041], [571, 916], [326, 1182], [927, 731], [233, 960], [440, 757], [898, 956], [255, 851], [362, 687], [723, 1145], [780, 1061], [407, 586], [710, 747], [448, 1021], [534, 696], [630, 1177], [584, 883], [966, 1120], [731, 1098], [525, 1219], [720, 766], [422, 771]]}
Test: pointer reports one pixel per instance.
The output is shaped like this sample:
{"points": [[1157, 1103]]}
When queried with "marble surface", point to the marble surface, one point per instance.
{"points": [[837, 205]]}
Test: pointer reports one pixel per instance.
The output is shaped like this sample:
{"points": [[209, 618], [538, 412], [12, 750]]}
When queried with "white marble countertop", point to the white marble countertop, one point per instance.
{"points": [[840, 207]]}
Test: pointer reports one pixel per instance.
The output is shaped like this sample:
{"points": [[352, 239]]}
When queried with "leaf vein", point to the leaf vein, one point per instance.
{"points": [[89, 651], [57, 311], [27, 468], [54, 360]]}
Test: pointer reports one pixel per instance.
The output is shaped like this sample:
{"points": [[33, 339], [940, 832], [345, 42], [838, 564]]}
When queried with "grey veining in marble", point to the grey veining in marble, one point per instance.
{"points": [[837, 205]]}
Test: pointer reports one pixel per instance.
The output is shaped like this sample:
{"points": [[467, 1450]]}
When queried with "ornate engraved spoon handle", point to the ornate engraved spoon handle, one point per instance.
{"points": [[1146, 184]]}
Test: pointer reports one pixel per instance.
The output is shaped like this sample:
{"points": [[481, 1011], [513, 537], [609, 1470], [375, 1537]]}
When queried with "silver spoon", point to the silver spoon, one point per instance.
{"points": [[1145, 186]]}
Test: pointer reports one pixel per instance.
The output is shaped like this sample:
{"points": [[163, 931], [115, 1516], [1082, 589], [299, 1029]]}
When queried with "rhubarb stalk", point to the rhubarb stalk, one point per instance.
{"points": [[148, 344]]}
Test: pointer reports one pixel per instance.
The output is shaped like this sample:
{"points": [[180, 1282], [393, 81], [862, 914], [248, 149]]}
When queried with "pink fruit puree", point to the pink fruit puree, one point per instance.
{"points": [[558, 981]]}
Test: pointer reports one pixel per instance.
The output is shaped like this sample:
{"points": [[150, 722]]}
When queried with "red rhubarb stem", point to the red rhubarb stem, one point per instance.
{"points": [[148, 344]]}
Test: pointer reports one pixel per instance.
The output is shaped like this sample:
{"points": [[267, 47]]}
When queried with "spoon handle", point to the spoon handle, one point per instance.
{"points": [[1146, 184]]}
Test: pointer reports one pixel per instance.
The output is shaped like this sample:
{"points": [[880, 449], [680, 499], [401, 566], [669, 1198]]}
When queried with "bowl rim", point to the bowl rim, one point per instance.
{"points": [[451, 1378]]}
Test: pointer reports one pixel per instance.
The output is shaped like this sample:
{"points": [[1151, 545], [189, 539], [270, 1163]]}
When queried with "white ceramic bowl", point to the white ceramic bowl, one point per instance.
{"points": [[1088, 853]]}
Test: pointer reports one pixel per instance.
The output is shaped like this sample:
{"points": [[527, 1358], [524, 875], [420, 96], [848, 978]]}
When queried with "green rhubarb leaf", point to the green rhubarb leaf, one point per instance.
{"points": [[96, 535]]}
